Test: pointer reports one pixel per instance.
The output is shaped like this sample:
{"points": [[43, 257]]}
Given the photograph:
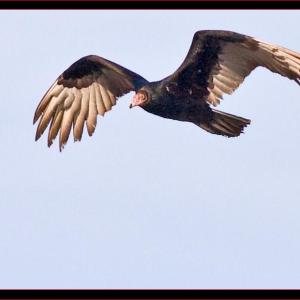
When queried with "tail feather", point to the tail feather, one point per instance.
{"points": [[225, 124]]}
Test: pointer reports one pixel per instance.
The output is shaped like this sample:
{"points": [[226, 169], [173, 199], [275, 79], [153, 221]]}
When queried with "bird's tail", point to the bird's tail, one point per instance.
{"points": [[225, 124]]}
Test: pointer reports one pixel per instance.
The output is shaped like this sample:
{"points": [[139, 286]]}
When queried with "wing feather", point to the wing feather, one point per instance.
{"points": [[79, 124], [239, 61], [69, 118], [91, 121], [49, 112], [54, 91], [105, 98], [55, 125], [99, 102], [87, 88], [219, 61]]}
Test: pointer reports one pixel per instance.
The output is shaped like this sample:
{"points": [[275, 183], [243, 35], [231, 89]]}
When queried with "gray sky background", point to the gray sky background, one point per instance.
{"points": [[147, 202]]}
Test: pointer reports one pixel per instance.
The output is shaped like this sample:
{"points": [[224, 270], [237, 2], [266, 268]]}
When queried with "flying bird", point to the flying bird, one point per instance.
{"points": [[216, 64]]}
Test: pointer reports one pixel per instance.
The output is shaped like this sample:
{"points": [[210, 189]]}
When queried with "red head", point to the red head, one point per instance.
{"points": [[139, 99]]}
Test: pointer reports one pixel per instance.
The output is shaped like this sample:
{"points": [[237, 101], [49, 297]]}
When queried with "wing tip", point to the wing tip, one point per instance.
{"points": [[49, 143], [61, 146], [35, 118], [37, 135]]}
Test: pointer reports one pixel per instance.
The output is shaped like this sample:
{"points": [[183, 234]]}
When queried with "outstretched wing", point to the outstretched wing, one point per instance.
{"points": [[218, 62], [88, 88]]}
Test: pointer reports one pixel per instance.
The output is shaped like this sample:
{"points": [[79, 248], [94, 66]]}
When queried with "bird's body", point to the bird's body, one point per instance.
{"points": [[176, 105], [216, 64]]}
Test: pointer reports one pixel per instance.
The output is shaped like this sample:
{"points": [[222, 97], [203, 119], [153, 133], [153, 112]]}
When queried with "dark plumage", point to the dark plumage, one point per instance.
{"points": [[217, 63]]}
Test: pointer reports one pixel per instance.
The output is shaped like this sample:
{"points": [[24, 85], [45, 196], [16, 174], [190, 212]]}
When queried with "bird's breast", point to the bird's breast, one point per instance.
{"points": [[177, 108]]}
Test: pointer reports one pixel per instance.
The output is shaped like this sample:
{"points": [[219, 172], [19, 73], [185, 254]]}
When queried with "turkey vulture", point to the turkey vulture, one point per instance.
{"points": [[217, 63]]}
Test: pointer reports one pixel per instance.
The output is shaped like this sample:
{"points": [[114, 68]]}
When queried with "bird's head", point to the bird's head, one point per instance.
{"points": [[140, 98]]}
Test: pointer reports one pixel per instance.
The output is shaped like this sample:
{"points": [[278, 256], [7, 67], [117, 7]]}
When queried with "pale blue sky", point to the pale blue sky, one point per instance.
{"points": [[147, 202]]}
